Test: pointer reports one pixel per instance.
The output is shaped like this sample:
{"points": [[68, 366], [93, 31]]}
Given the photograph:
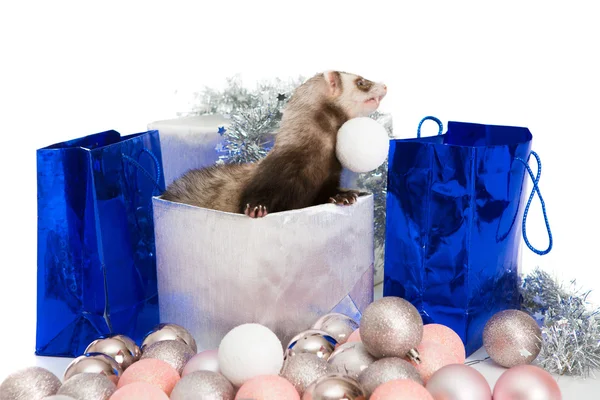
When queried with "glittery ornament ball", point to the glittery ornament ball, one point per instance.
{"points": [[59, 397], [404, 389], [512, 338], [173, 352], [459, 382], [33, 383], [153, 371], [205, 361], [385, 370], [391, 327], [206, 385], [351, 359], [446, 337], [267, 387], [433, 357], [249, 350], [354, 336], [88, 386], [526, 382], [338, 326], [303, 369], [139, 391]]}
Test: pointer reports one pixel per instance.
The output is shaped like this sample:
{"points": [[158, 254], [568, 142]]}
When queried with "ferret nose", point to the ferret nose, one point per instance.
{"points": [[385, 87]]}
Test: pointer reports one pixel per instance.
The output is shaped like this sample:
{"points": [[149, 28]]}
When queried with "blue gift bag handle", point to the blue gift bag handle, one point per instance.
{"points": [[441, 126], [157, 169], [535, 190]]}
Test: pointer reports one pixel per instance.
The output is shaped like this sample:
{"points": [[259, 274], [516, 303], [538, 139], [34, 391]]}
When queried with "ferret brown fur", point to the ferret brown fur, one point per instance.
{"points": [[302, 169]]}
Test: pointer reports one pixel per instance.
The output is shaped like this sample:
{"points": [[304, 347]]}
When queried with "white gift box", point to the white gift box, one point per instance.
{"points": [[217, 270], [188, 143]]}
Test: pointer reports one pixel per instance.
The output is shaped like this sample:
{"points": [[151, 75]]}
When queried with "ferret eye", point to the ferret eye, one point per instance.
{"points": [[360, 83]]}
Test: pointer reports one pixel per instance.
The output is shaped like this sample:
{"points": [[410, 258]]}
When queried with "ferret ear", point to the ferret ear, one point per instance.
{"points": [[334, 81]]}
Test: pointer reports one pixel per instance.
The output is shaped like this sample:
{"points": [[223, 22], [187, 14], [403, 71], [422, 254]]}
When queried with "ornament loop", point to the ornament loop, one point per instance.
{"points": [[414, 356], [535, 190]]}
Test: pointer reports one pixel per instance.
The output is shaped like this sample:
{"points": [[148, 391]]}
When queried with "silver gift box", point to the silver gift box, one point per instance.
{"points": [[218, 270], [188, 142]]}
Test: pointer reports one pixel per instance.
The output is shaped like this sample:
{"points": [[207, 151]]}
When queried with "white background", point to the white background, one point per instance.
{"points": [[69, 69]]}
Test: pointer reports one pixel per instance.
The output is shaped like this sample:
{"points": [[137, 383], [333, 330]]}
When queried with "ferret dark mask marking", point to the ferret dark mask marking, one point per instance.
{"points": [[302, 169], [363, 84]]}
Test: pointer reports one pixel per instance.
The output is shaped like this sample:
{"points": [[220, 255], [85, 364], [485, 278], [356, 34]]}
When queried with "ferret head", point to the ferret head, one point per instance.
{"points": [[358, 96]]}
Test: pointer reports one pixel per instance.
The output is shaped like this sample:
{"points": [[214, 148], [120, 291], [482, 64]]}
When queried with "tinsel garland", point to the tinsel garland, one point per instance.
{"points": [[254, 119], [570, 326], [376, 182]]}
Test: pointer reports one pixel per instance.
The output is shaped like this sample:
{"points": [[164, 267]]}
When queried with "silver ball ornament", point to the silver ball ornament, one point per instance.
{"points": [[338, 326], [59, 397], [114, 348], [303, 369], [203, 385], [131, 345], [88, 386], [392, 327], [385, 370], [512, 338], [95, 363], [33, 383], [173, 352], [351, 359], [169, 332], [335, 387], [311, 341]]}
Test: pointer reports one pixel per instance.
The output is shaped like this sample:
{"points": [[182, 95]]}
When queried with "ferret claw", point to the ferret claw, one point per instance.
{"points": [[259, 211], [344, 199]]}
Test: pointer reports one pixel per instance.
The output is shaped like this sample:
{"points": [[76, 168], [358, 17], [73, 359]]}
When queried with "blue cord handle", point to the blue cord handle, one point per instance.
{"points": [[535, 190], [156, 180], [441, 126]]}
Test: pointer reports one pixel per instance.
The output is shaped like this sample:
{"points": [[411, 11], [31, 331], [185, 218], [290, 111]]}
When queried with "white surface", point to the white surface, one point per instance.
{"points": [[72, 68]]}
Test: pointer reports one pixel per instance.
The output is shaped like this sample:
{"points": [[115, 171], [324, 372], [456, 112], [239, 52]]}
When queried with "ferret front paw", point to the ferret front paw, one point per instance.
{"points": [[345, 198], [256, 211]]}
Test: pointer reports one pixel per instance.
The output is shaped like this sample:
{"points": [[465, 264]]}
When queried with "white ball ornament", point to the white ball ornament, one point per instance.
{"points": [[362, 144], [249, 350]]}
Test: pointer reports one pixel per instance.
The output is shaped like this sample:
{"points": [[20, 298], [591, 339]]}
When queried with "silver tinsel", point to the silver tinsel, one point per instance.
{"points": [[254, 115], [570, 326], [376, 182]]}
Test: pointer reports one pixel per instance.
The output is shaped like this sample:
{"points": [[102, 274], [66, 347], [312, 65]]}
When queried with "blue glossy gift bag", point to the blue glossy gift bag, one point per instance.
{"points": [[455, 214], [96, 257]]}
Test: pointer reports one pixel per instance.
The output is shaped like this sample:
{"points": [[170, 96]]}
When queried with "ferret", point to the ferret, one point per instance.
{"points": [[301, 170]]}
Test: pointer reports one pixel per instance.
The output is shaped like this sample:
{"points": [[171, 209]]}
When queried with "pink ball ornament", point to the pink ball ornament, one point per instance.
{"points": [[139, 391], [153, 371], [354, 336], [526, 382], [446, 337], [404, 389], [433, 357], [267, 387], [458, 382], [205, 361]]}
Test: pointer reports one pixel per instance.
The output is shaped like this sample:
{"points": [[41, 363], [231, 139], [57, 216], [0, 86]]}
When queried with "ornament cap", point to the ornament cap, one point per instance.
{"points": [[414, 356]]}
